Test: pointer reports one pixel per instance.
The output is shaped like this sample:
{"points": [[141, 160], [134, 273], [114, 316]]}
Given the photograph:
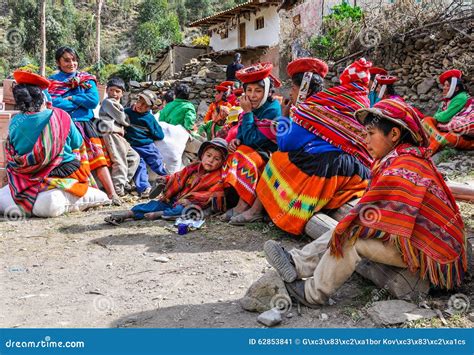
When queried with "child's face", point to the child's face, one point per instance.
{"points": [[141, 106], [212, 159], [379, 144], [218, 96], [114, 93], [446, 86]]}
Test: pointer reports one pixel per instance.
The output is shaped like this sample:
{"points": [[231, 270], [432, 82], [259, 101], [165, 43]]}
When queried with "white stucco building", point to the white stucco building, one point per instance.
{"points": [[251, 28]]}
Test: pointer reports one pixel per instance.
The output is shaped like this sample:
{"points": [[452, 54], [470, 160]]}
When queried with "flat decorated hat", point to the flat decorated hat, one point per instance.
{"points": [[386, 79], [399, 112], [254, 72], [453, 73], [26, 77], [377, 70], [238, 92], [225, 86], [357, 72], [303, 65]]}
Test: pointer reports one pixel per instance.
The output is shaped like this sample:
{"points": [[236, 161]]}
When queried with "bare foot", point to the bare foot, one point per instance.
{"points": [[151, 216]]}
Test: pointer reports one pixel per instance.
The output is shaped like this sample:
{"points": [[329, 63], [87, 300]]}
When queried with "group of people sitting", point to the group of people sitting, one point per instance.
{"points": [[291, 158]]}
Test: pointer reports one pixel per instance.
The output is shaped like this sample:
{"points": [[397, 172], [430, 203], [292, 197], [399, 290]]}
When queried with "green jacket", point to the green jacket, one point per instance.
{"points": [[455, 105], [179, 112]]}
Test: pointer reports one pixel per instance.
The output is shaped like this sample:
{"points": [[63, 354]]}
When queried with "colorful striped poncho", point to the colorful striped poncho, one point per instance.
{"points": [[200, 187], [329, 114], [409, 202], [28, 174], [58, 88]]}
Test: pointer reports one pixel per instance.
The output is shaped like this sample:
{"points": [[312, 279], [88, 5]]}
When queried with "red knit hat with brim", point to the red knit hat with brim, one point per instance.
{"points": [[227, 83], [26, 77], [400, 113], [254, 72], [303, 65], [221, 88], [386, 79], [453, 73], [377, 70], [357, 72]]}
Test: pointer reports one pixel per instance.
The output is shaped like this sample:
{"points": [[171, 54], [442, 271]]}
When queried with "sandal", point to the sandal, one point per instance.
{"points": [[157, 190], [226, 217], [240, 220]]}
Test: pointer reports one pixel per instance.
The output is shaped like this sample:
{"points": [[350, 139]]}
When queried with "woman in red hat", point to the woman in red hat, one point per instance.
{"points": [[223, 91], [76, 93], [373, 84], [322, 161], [256, 138], [453, 124], [44, 148], [407, 218], [385, 88]]}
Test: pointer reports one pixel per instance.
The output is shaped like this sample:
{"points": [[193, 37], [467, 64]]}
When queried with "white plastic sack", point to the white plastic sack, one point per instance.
{"points": [[172, 146], [55, 202]]}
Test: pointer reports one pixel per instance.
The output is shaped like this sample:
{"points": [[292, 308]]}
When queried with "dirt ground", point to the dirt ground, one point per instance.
{"points": [[76, 271]]}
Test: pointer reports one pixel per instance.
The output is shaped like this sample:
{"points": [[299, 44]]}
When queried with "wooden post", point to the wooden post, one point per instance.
{"points": [[97, 29], [42, 14]]}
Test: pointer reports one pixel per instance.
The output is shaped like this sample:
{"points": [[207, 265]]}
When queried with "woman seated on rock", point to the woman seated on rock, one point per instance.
{"points": [[407, 218], [322, 161], [223, 90], [45, 151], [453, 123], [256, 138], [76, 93]]}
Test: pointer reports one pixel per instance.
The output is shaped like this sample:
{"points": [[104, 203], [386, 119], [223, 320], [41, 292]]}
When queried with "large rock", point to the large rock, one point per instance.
{"points": [[396, 312], [266, 293], [202, 108], [400, 283], [270, 318], [425, 86]]}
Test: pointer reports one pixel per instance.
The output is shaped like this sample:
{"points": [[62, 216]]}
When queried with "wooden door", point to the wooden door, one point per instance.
{"points": [[242, 36]]}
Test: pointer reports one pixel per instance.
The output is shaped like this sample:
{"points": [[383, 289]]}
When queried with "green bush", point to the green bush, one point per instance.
{"points": [[129, 72], [337, 28]]}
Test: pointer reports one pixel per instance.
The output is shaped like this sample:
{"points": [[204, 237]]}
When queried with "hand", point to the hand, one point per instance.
{"points": [[184, 202], [233, 145], [161, 180], [285, 108], [68, 98], [245, 104]]}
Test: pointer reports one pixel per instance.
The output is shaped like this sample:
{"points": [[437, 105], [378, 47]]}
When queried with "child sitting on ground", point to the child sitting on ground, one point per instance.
{"points": [[219, 117], [112, 124], [199, 185], [407, 218], [141, 134]]}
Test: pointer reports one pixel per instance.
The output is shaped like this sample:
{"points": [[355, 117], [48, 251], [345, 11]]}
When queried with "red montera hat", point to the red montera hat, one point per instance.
{"points": [[453, 73], [386, 79], [303, 65], [377, 70], [357, 72], [254, 72], [26, 77], [238, 92]]}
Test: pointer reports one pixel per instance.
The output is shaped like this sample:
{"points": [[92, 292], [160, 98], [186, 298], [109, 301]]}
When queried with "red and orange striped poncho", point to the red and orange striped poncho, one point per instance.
{"points": [[409, 201]]}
